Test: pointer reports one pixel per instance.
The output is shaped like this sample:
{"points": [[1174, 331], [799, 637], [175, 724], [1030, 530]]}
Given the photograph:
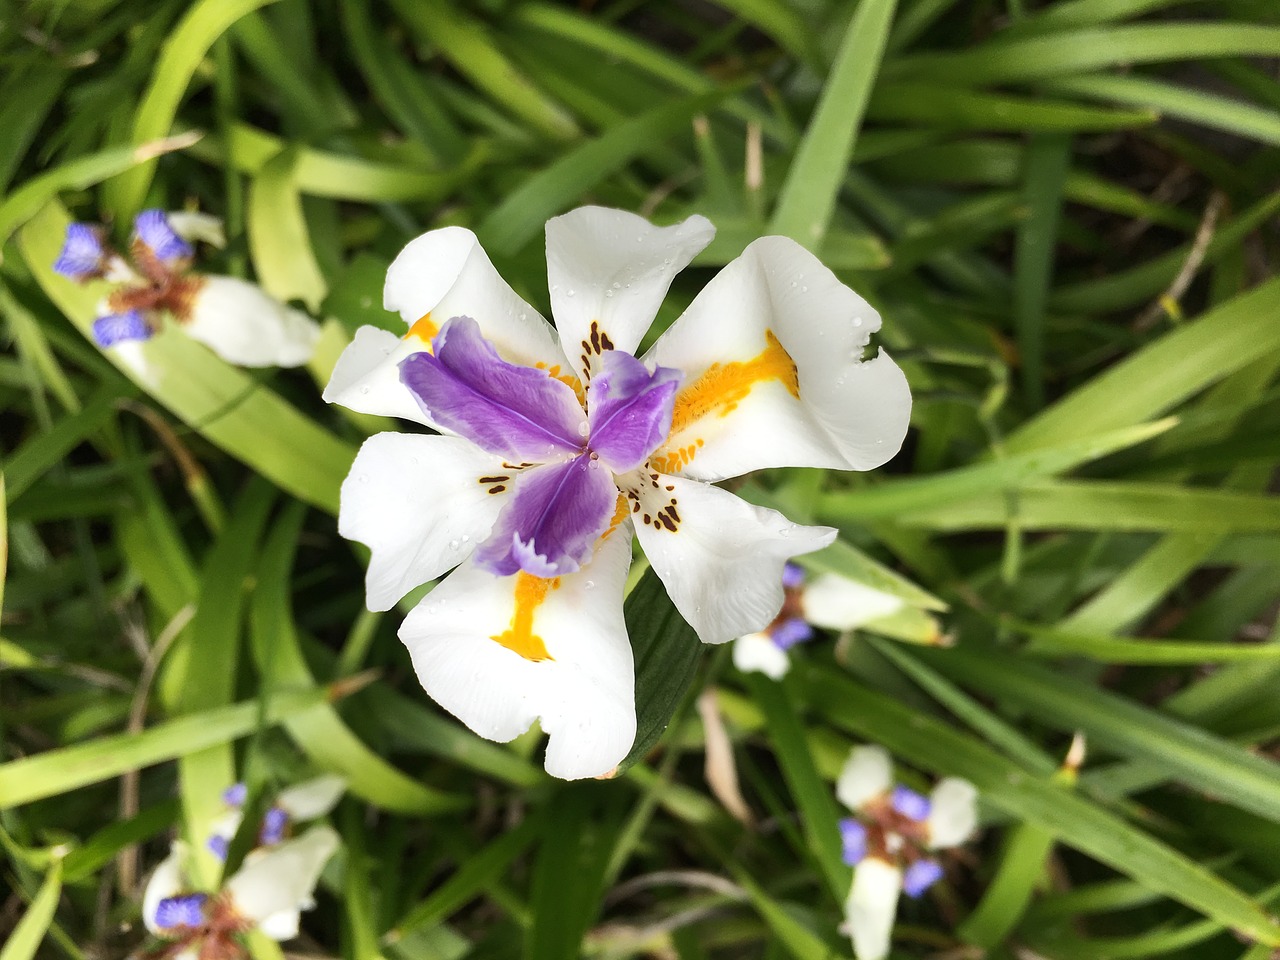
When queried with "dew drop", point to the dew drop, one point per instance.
{"points": [[453, 544], [366, 302], [589, 585], [363, 478], [608, 293], [583, 428], [857, 321], [364, 390], [571, 292], [804, 289], [617, 285], [793, 284], [466, 538]]}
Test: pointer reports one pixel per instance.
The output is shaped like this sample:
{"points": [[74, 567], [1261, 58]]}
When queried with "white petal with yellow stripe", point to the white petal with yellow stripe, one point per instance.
{"points": [[502, 652], [772, 352]]}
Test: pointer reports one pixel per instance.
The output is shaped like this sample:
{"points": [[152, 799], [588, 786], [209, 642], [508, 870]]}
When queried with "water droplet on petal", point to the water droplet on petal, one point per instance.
{"points": [[857, 321], [583, 428], [793, 284], [571, 292], [363, 478], [466, 538], [364, 390], [804, 289], [608, 293], [617, 285], [453, 544], [589, 585]]}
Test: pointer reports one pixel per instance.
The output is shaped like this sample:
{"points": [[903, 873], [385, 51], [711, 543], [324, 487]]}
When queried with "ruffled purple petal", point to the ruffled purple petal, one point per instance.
{"points": [[152, 228], [82, 253], [553, 521], [920, 876], [520, 413], [912, 805], [274, 823], [853, 841], [789, 632], [630, 409], [119, 327], [792, 576], [186, 910]]}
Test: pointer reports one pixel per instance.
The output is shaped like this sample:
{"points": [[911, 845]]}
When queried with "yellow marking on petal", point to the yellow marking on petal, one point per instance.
{"points": [[620, 513], [725, 385], [530, 592], [568, 379], [424, 329]]}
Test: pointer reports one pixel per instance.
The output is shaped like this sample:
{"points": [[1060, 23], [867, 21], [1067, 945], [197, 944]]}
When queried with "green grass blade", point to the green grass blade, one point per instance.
{"points": [[24, 940], [808, 197]]}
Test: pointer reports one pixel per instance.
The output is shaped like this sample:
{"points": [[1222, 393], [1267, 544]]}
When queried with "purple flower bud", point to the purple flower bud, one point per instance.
{"points": [[920, 876], [853, 838], [792, 576], [186, 910], [153, 229], [910, 804], [82, 253], [274, 822], [119, 327], [791, 631], [235, 795]]}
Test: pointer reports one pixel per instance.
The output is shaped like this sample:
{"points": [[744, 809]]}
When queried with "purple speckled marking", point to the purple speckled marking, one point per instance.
{"points": [[186, 910], [153, 229], [789, 632], [920, 876], [853, 841], [121, 327], [912, 805], [274, 824], [235, 795], [792, 575], [82, 253]]}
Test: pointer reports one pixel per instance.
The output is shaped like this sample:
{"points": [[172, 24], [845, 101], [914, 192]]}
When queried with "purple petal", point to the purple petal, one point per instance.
{"points": [[789, 632], [551, 525], [186, 910], [920, 876], [630, 409], [119, 327], [235, 795], [82, 253], [792, 576], [218, 846], [274, 823], [153, 229], [912, 805], [853, 841], [520, 413]]}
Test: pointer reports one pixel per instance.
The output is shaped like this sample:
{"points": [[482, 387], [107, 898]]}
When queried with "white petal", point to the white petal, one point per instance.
{"points": [[839, 603], [871, 907], [270, 889], [612, 269], [771, 351], [953, 812], [191, 225], [167, 881], [719, 557], [366, 377], [417, 503], [446, 273], [312, 798], [757, 653], [584, 693], [239, 322], [867, 774]]}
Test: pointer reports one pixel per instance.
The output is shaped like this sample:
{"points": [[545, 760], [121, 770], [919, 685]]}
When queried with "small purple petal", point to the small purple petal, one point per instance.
{"points": [[792, 575], [119, 327], [789, 632], [274, 823], [853, 840], [520, 413], [920, 876], [219, 846], [912, 805], [153, 229], [82, 253], [186, 910], [551, 524], [630, 409], [235, 795]]}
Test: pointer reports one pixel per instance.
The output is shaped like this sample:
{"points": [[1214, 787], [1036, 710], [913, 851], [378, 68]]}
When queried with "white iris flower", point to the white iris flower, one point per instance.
{"points": [[558, 443], [890, 842]]}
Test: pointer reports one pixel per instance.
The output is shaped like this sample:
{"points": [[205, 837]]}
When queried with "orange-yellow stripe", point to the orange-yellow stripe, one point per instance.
{"points": [[423, 328], [519, 637], [725, 385]]}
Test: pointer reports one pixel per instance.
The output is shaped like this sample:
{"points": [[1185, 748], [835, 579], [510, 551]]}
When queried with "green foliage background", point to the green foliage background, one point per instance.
{"points": [[1065, 212]]}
